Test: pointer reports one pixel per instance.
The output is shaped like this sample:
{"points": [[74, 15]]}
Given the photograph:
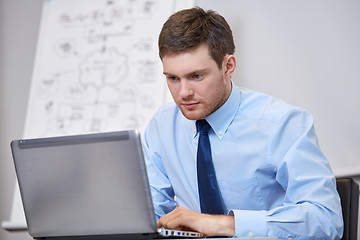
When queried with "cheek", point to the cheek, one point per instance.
{"points": [[173, 90], [216, 93], [215, 87]]}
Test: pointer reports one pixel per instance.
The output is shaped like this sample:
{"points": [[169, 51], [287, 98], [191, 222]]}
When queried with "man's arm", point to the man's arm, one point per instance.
{"points": [[211, 225], [311, 206]]}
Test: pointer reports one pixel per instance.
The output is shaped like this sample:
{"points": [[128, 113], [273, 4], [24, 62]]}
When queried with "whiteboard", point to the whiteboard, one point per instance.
{"points": [[97, 69]]}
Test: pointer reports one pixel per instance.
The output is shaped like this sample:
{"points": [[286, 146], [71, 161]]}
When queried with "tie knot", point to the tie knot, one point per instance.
{"points": [[202, 126]]}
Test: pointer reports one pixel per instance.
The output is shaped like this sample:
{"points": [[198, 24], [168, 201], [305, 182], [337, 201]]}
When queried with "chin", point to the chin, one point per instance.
{"points": [[192, 115]]}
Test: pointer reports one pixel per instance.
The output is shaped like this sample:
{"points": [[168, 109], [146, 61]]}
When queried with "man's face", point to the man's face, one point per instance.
{"points": [[196, 83]]}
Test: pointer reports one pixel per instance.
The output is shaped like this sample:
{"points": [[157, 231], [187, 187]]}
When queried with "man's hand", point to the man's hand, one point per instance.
{"points": [[210, 225]]}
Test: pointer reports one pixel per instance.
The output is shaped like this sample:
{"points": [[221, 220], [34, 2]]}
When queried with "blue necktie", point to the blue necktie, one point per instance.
{"points": [[210, 200]]}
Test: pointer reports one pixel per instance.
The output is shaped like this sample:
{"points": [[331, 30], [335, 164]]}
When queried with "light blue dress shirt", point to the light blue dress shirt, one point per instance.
{"points": [[271, 172]]}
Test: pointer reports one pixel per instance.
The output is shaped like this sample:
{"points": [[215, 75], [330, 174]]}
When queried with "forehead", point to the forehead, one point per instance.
{"points": [[188, 61]]}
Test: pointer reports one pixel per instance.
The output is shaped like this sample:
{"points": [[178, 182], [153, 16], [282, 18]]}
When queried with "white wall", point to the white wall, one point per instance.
{"points": [[19, 23]]}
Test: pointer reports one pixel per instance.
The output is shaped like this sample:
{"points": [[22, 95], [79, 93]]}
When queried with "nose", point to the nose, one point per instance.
{"points": [[186, 89]]}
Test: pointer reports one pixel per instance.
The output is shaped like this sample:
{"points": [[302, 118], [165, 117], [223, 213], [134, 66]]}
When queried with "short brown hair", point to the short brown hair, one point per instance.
{"points": [[187, 29]]}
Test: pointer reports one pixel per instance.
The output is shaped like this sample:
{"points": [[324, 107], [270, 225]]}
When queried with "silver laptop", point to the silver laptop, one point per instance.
{"points": [[90, 186]]}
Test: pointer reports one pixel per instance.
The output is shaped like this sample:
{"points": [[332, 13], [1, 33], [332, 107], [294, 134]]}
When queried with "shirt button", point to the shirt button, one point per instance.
{"points": [[194, 131], [220, 132], [251, 234]]}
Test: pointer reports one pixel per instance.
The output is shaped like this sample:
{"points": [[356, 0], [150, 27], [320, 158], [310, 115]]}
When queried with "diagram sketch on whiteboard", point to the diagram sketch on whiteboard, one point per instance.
{"points": [[97, 67]]}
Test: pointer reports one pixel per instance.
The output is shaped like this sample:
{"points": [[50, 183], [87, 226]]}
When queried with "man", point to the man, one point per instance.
{"points": [[271, 178]]}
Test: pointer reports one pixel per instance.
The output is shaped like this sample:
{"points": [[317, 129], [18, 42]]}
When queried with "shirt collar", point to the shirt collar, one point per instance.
{"points": [[222, 117]]}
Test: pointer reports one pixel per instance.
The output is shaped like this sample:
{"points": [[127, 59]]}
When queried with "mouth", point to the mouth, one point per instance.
{"points": [[190, 106]]}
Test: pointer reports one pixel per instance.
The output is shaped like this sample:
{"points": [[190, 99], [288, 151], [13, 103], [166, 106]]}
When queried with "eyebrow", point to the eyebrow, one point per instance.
{"points": [[199, 71]]}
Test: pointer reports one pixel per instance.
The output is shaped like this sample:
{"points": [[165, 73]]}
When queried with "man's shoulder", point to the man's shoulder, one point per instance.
{"points": [[263, 106], [166, 115], [167, 110]]}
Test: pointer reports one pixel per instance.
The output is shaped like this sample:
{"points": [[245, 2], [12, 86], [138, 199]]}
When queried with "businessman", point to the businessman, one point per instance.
{"points": [[240, 163]]}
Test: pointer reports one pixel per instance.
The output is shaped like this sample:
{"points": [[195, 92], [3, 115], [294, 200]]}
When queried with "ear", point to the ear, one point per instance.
{"points": [[229, 65]]}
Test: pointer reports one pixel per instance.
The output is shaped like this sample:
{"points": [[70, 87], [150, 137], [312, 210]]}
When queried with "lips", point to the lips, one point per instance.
{"points": [[190, 105]]}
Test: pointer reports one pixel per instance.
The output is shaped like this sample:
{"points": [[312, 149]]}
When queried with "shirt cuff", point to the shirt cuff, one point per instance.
{"points": [[249, 223]]}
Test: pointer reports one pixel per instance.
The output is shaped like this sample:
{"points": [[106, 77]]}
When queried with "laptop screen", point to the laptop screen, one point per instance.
{"points": [[84, 185]]}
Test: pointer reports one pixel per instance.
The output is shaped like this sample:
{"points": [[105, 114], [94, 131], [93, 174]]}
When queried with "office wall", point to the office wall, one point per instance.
{"points": [[19, 23]]}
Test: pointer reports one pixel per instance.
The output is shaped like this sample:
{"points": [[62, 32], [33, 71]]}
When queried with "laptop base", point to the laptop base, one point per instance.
{"points": [[115, 237]]}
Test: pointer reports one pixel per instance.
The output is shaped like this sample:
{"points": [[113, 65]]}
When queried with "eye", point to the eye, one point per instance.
{"points": [[171, 78], [197, 76]]}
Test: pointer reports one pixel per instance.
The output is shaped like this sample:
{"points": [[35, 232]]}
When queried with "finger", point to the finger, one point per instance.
{"points": [[172, 220]]}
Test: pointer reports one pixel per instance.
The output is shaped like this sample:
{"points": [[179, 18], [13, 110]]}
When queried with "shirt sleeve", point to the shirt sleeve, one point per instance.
{"points": [[161, 189], [311, 206]]}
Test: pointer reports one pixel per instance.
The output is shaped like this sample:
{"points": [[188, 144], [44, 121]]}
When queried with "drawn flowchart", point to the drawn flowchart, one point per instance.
{"points": [[97, 67]]}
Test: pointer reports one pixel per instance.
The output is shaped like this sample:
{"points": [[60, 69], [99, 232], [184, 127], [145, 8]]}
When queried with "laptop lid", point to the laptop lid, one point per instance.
{"points": [[84, 185]]}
